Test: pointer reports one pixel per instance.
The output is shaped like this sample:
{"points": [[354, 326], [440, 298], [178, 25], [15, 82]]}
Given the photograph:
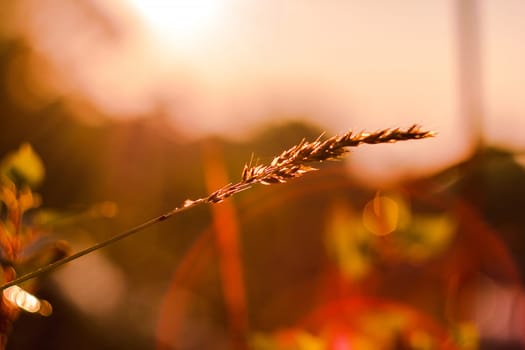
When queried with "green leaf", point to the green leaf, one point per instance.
{"points": [[24, 166], [428, 236]]}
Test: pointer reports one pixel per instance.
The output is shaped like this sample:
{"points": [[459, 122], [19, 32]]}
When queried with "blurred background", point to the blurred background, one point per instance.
{"points": [[134, 106]]}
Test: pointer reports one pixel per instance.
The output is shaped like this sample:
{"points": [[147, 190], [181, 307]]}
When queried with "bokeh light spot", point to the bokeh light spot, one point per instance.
{"points": [[381, 215], [24, 300]]}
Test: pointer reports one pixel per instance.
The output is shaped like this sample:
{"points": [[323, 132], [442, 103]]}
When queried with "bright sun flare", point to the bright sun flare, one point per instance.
{"points": [[182, 22]]}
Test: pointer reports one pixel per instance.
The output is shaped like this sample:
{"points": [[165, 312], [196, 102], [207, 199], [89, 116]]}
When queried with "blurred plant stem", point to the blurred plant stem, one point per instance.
{"points": [[227, 232]]}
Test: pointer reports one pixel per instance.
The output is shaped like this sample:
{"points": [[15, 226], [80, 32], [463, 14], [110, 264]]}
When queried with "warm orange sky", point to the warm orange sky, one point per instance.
{"points": [[227, 65]]}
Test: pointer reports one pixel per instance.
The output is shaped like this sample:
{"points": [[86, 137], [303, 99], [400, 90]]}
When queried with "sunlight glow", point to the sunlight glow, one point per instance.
{"points": [[183, 22]]}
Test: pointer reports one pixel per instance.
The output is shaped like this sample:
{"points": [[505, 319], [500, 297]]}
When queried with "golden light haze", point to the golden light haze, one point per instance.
{"points": [[227, 66]]}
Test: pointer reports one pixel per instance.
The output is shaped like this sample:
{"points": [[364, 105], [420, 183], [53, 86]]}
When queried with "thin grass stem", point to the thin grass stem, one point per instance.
{"points": [[290, 164]]}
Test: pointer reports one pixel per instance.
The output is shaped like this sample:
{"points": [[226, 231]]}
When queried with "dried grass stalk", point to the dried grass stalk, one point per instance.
{"points": [[290, 164]]}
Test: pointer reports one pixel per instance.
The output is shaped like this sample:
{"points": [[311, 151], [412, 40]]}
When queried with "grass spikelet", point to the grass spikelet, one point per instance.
{"points": [[294, 161]]}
